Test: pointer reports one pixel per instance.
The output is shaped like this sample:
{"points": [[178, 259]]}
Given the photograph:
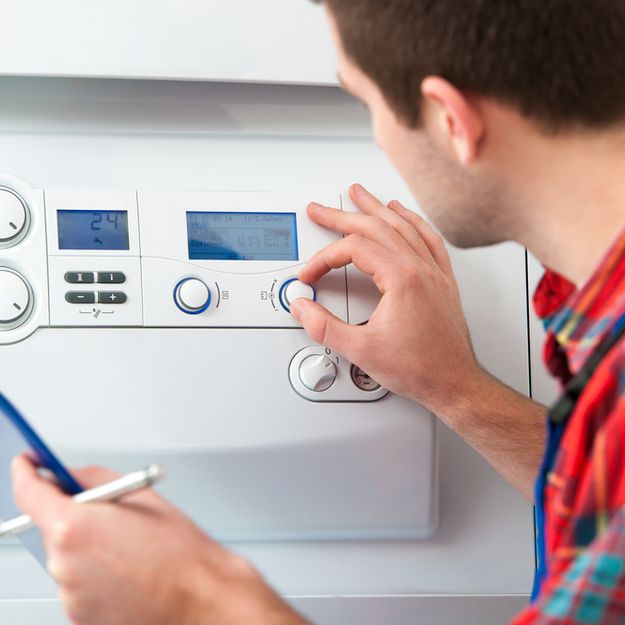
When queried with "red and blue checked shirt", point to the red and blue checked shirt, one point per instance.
{"points": [[584, 496]]}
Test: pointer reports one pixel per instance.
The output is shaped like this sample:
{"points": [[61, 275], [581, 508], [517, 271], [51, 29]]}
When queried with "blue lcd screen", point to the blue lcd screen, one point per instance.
{"points": [[93, 230], [242, 236]]}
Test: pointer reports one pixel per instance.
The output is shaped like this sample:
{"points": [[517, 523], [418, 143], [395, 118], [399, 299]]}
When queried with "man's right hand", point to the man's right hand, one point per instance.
{"points": [[416, 343]]}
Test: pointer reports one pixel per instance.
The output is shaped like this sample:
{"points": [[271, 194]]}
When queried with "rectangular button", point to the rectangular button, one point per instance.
{"points": [[111, 297], [80, 297], [79, 277], [111, 277]]}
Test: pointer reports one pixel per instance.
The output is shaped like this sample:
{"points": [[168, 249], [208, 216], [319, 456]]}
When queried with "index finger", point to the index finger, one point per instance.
{"points": [[35, 496], [369, 257]]}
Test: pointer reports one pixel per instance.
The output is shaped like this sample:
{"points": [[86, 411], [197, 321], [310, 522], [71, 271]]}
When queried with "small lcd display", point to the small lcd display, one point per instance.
{"points": [[242, 236], [93, 230]]}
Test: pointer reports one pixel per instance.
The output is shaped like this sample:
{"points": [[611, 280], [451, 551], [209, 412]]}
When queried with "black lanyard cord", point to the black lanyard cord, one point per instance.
{"points": [[562, 410]]}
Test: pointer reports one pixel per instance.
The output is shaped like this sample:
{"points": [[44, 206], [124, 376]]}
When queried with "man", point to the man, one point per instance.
{"points": [[507, 119]]}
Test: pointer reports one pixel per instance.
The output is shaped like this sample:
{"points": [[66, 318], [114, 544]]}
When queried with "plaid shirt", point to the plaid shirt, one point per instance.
{"points": [[584, 497]]}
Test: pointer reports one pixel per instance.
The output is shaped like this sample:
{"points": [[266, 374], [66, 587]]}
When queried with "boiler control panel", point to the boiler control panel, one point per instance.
{"points": [[171, 259]]}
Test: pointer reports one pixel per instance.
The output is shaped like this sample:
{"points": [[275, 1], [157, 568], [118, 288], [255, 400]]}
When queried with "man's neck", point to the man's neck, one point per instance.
{"points": [[576, 202]]}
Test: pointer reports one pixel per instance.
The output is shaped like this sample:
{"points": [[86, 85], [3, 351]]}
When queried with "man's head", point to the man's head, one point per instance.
{"points": [[459, 89]]}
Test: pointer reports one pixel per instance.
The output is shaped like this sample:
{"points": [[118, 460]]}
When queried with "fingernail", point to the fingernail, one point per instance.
{"points": [[358, 188]]}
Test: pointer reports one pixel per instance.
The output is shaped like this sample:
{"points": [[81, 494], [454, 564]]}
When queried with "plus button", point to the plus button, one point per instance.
{"points": [[112, 297]]}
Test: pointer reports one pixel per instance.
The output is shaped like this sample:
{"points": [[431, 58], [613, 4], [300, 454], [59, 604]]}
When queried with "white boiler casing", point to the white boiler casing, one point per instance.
{"points": [[353, 502]]}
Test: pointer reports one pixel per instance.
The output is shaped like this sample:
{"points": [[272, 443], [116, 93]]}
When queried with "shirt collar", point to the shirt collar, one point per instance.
{"points": [[585, 315]]}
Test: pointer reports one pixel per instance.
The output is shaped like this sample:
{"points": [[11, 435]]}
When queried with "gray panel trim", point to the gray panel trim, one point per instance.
{"points": [[382, 610]]}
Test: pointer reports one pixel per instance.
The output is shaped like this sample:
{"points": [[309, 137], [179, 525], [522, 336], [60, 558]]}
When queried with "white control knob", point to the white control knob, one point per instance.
{"points": [[13, 216], [192, 296], [296, 289], [317, 373], [14, 298]]}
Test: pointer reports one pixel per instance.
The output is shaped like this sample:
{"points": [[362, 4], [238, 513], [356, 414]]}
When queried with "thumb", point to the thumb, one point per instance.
{"points": [[35, 496], [327, 329]]}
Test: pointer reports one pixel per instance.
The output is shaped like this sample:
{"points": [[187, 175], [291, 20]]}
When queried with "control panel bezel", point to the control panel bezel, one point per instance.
{"points": [[243, 293]]}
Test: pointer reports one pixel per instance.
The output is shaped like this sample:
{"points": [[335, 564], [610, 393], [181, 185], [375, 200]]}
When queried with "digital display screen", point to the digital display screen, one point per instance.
{"points": [[242, 236], [93, 230]]}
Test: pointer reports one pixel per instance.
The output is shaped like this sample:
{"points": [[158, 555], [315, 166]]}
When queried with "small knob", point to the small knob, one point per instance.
{"points": [[14, 298], [317, 373], [296, 289], [13, 216], [192, 296]]}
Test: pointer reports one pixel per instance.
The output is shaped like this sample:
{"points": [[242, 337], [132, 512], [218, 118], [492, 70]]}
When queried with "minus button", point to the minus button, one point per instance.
{"points": [[80, 297]]}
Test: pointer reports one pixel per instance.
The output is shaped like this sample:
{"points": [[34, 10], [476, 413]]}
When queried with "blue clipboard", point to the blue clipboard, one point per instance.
{"points": [[16, 437]]}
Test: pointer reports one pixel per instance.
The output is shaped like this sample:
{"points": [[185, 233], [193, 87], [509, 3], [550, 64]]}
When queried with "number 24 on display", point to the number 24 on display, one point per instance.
{"points": [[98, 218]]}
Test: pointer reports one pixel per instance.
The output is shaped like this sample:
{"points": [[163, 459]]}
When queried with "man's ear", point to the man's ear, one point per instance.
{"points": [[456, 118]]}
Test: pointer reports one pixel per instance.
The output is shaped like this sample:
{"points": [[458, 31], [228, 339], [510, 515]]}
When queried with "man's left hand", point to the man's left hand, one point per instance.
{"points": [[140, 561]]}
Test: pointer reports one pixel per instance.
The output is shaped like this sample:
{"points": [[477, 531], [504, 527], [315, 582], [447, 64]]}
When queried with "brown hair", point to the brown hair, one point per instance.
{"points": [[561, 62]]}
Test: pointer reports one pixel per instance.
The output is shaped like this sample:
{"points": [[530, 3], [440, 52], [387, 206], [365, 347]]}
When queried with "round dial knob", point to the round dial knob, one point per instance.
{"points": [[13, 216], [317, 373], [296, 289], [192, 296], [15, 298]]}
